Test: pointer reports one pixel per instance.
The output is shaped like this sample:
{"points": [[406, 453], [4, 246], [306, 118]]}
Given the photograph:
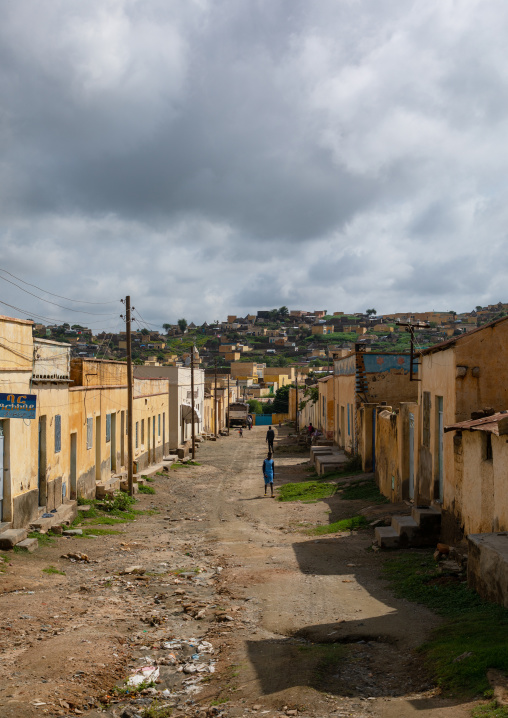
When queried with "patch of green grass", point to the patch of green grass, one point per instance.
{"points": [[473, 638], [108, 521], [53, 569], [366, 491], [490, 710], [43, 539], [146, 490], [157, 710], [307, 491], [179, 465], [100, 532], [351, 524]]}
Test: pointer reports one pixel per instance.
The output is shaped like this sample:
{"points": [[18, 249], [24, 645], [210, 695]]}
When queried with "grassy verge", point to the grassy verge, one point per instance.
{"points": [[366, 491], [490, 710], [473, 637], [307, 491], [350, 524]]}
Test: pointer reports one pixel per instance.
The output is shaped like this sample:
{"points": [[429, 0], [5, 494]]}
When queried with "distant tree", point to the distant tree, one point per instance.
{"points": [[255, 406], [268, 407], [182, 325], [160, 357], [281, 360], [478, 308], [284, 311], [281, 400], [144, 331], [370, 312], [167, 327], [274, 313], [452, 312]]}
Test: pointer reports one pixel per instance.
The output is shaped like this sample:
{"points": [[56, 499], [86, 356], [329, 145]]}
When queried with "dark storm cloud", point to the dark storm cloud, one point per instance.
{"points": [[214, 157]]}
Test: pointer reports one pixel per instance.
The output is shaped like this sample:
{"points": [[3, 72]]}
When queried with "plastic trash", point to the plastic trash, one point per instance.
{"points": [[195, 657], [146, 674], [205, 647]]}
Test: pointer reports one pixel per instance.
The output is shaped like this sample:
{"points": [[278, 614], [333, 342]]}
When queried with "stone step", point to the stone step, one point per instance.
{"points": [[124, 486], [428, 519], [11, 537], [5, 526], [28, 544], [407, 530], [387, 537]]}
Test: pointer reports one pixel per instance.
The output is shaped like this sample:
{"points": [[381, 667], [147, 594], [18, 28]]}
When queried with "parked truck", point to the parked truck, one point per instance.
{"points": [[238, 413]]}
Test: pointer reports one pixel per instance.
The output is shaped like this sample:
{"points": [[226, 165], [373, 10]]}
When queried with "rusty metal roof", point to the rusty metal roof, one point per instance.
{"points": [[494, 424], [451, 342]]}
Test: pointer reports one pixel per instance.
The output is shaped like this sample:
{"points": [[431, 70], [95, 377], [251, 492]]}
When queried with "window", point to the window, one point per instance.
{"points": [[137, 434], [89, 432], [348, 422], [159, 424], [487, 446], [127, 422], [108, 427], [58, 433], [142, 432]]}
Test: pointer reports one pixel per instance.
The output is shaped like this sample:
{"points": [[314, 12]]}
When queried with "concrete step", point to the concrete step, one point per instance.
{"points": [[5, 526], [428, 519], [107, 488], [29, 545], [11, 537], [124, 486], [406, 528], [387, 537]]}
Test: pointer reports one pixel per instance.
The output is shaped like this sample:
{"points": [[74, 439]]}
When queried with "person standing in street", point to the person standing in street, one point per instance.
{"points": [[269, 473], [270, 436]]}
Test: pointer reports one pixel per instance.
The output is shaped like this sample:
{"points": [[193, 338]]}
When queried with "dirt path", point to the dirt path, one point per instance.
{"points": [[296, 622]]}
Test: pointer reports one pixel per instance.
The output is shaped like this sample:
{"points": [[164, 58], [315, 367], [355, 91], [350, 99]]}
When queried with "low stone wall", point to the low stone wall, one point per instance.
{"points": [[487, 566]]}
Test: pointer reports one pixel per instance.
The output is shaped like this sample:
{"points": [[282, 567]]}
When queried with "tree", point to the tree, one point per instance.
{"points": [[144, 331], [479, 308], [284, 311], [281, 360], [182, 325], [255, 406], [281, 400], [167, 327], [371, 312]]}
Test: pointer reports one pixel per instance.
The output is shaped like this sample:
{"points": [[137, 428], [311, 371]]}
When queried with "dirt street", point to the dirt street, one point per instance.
{"points": [[222, 591]]}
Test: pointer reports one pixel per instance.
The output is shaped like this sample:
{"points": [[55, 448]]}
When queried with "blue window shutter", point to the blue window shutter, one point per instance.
{"points": [[108, 427], [58, 433]]}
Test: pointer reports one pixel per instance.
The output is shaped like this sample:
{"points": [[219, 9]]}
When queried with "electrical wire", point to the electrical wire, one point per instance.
{"points": [[48, 301], [78, 301], [40, 316]]}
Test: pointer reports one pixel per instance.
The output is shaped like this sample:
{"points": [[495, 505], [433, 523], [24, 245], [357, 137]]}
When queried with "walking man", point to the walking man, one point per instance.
{"points": [[269, 473], [270, 436]]}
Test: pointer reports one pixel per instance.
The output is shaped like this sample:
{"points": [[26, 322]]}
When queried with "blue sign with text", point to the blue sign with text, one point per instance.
{"points": [[17, 406]]}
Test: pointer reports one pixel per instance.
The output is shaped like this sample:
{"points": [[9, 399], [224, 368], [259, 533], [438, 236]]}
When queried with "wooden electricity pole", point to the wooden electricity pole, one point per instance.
{"points": [[228, 406], [215, 401], [192, 404], [130, 453], [297, 428]]}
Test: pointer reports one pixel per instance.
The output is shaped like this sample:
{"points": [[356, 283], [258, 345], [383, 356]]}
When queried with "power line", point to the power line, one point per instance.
{"points": [[40, 316], [48, 301], [78, 301]]}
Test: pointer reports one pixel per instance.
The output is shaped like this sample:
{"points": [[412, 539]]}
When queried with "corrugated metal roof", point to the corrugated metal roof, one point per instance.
{"points": [[451, 342], [495, 424]]}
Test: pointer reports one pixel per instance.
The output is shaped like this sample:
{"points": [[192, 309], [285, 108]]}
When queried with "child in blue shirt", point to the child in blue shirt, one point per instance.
{"points": [[269, 472]]}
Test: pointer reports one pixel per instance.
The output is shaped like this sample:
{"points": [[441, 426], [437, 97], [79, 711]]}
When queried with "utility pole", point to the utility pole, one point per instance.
{"points": [[192, 404], [130, 453], [411, 329], [228, 406], [215, 401], [296, 401]]}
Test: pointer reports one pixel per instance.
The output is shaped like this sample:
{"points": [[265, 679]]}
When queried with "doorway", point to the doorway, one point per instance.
{"points": [[122, 441], [153, 440], [74, 465], [411, 456], [113, 443], [97, 448], [440, 457], [148, 439], [41, 462], [163, 433]]}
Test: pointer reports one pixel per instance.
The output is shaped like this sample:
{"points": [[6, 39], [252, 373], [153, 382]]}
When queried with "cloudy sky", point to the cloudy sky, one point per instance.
{"points": [[216, 156]]}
